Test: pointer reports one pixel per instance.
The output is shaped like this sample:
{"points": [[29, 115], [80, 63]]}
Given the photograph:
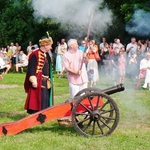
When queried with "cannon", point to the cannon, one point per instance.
{"points": [[93, 111]]}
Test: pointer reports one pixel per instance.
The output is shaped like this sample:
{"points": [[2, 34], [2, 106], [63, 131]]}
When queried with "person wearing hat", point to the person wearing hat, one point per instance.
{"points": [[38, 81]]}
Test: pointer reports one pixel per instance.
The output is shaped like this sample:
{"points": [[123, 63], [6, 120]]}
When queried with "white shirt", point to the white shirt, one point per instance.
{"points": [[24, 59], [119, 45], [144, 63], [101, 45], [133, 49], [13, 50], [2, 63]]}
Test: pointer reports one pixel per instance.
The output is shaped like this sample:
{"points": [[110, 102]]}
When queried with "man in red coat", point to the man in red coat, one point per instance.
{"points": [[38, 81]]}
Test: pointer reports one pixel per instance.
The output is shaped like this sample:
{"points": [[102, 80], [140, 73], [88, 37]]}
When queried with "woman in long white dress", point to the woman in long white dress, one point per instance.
{"points": [[92, 63]]}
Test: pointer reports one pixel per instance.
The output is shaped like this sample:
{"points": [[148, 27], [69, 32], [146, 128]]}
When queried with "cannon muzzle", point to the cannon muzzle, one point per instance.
{"points": [[114, 89]]}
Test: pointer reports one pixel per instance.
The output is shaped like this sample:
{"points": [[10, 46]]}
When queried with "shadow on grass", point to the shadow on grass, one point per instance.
{"points": [[13, 115], [54, 128]]}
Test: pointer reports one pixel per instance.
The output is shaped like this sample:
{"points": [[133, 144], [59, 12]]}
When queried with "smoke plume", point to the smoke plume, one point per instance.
{"points": [[139, 24], [74, 13]]}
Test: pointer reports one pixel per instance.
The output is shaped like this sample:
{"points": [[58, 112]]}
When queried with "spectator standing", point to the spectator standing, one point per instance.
{"points": [[111, 53], [131, 47], [29, 48], [92, 63], [117, 44], [101, 47], [13, 55], [123, 51], [63, 48], [114, 60], [147, 45], [8, 53], [105, 57], [145, 70], [59, 56], [18, 49], [147, 77], [140, 50], [102, 44], [55, 55], [115, 40], [121, 66], [8, 50], [83, 46], [86, 39], [111, 50], [133, 67]]}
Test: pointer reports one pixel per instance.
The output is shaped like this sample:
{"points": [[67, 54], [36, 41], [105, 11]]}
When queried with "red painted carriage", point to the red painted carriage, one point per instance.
{"points": [[93, 112]]}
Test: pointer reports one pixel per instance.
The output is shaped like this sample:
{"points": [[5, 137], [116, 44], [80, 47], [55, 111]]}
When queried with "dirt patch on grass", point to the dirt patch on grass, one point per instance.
{"points": [[137, 125], [4, 86]]}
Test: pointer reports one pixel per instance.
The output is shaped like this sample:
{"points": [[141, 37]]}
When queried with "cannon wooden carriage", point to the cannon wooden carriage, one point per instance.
{"points": [[93, 112]]}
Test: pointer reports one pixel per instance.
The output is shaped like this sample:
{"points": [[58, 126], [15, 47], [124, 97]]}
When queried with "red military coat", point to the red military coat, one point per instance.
{"points": [[33, 100]]}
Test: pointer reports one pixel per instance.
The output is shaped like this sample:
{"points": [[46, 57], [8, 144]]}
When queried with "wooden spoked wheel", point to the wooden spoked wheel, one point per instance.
{"points": [[95, 114]]}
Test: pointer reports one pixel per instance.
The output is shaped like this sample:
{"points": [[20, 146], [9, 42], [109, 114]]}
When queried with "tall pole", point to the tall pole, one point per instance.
{"points": [[90, 24]]}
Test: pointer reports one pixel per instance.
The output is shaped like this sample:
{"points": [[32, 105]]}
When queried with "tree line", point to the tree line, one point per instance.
{"points": [[19, 25]]}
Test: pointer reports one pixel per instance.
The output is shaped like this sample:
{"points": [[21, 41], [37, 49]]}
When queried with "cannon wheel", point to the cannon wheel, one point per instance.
{"points": [[100, 116], [91, 89]]}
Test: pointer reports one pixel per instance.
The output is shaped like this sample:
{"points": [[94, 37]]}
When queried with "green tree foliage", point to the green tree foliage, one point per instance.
{"points": [[123, 11], [18, 24]]}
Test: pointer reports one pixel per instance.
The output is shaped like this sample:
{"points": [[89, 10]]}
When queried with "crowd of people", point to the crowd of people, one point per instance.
{"points": [[117, 59], [79, 62], [125, 61], [13, 58]]}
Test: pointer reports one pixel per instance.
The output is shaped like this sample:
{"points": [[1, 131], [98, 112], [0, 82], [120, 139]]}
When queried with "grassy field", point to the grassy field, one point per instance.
{"points": [[132, 132]]}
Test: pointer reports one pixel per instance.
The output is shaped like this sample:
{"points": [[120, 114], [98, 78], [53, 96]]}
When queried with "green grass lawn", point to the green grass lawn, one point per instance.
{"points": [[132, 132]]}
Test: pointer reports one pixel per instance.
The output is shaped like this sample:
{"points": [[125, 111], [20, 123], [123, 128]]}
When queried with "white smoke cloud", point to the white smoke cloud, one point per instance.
{"points": [[76, 13], [139, 24]]}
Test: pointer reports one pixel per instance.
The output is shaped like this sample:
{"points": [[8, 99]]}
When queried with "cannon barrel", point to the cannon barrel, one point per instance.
{"points": [[114, 89]]}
